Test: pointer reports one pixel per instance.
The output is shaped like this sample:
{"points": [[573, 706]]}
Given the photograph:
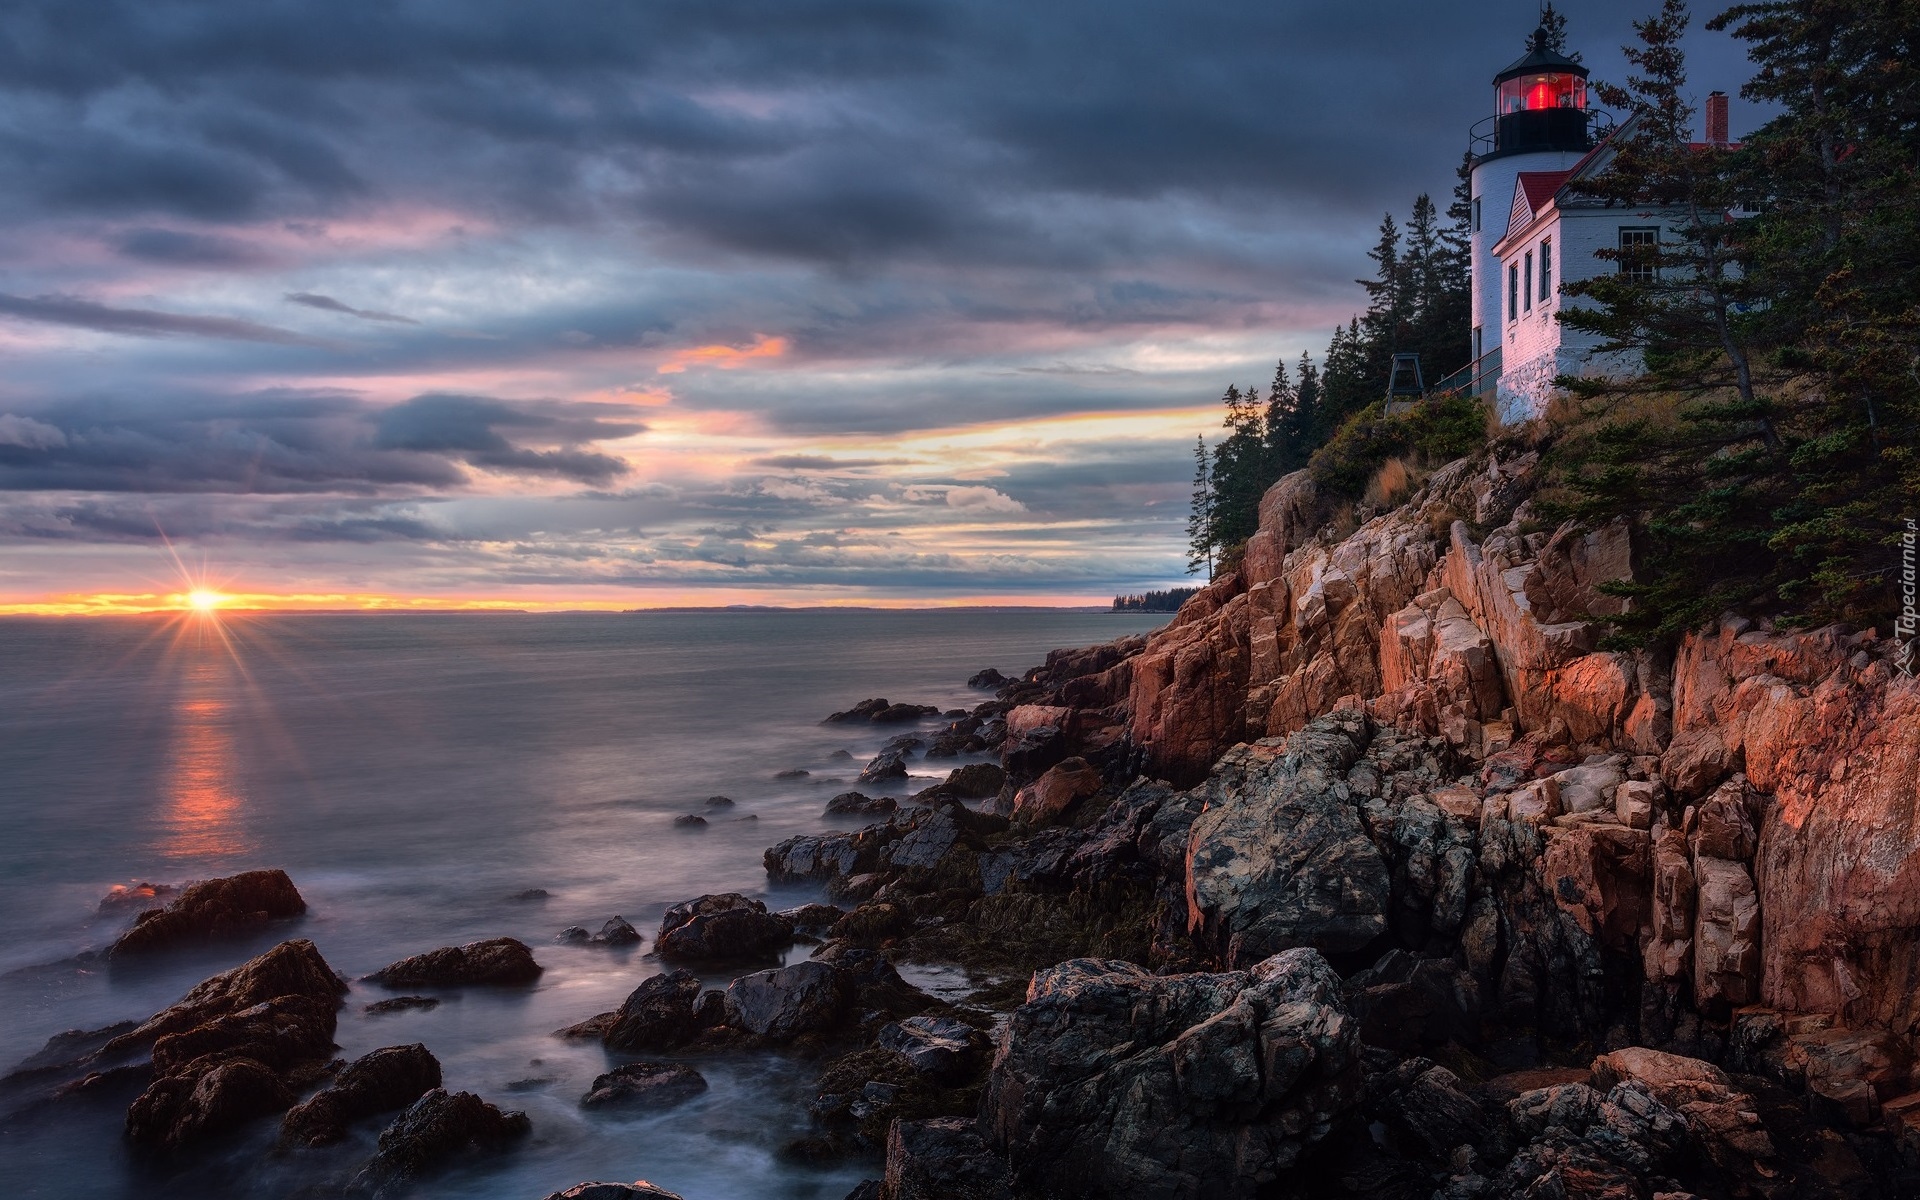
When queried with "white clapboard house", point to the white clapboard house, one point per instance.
{"points": [[1534, 230]]}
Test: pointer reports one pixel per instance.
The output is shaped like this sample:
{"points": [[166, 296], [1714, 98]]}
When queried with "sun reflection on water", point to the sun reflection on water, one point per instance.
{"points": [[204, 803]]}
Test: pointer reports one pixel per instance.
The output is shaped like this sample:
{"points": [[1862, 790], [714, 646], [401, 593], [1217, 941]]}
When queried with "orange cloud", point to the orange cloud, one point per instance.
{"points": [[724, 357]]}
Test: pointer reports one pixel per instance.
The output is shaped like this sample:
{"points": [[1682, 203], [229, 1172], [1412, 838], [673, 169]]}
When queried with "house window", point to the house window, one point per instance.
{"points": [[1479, 343], [1546, 270], [1638, 245], [1527, 290], [1513, 292], [1476, 214]]}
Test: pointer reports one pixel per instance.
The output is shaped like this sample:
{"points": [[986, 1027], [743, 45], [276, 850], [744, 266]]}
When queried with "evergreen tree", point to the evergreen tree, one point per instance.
{"points": [[1277, 433], [1200, 516]]}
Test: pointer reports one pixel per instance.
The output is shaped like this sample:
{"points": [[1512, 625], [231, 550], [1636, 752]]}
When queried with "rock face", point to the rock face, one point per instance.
{"points": [[1113, 1081], [1048, 798], [213, 909], [942, 1159], [657, 1016], [380, 1081], [1280, 859], [437, 1127], [939, 1046], [498, 961], [645, 1085], [726, 926], [804, 998], [235, 1047], [639, 1189]]}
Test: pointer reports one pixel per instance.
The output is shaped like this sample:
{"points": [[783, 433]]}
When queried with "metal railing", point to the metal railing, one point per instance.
{"points": [[1483, 139], [1477, 378]]}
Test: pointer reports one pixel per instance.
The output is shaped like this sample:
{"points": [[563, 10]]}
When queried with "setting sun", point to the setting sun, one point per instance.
{"points": [[205, 601]]}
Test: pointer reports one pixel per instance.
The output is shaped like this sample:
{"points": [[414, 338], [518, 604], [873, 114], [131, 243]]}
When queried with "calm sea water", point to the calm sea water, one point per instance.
{"points": [[412, 773]]}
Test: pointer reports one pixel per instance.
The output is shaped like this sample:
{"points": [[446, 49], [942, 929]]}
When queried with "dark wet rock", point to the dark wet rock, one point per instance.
{"points": [[235, 1048], [436, 1128], [975, 781], [1430, 1105], [724, 926], [877, 993], [856, 804], [381, 1081], [690, 821], [943, 1159], [645, 1085], [987, 680], [840, 755], [658, 1015], [616, 932], [1113, 1081], [574, 935], [213, 909], [880, 712], [142, 895], [709, 1009], [944, 1047], [1029, 755], [1280, 857], [496, 961], [806, 997], [860, 712], [792, 773], [400, 1004], [639, 1189], [813, 919], [181, 1109], [868, 1189], [594, 1028], [890, 763], [532, 894], [718, 802]]}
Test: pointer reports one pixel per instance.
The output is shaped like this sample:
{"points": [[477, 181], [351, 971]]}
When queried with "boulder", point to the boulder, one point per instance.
{"points": [[806, 997], [380, 1081], [975, 781], [435, 1128], [890, 763], [690, 821], [1047, 798], [1279, 858], [292, 968], [645, 1085], [616, 932], [400, 1004], [180, 1109], [496, 961], [987, 680], [856, 804], [639, 1189], [724, 926], [812, 919], [1113, 1081], [213, 909], [942, 1159], [656, 1016], [942, 1047]]}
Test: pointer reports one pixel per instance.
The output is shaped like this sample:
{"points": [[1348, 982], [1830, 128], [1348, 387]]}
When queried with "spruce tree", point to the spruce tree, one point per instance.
{"points": [[1200, 515]]}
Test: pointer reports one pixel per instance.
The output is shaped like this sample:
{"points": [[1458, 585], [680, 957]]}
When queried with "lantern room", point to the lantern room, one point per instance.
{"points": [[1540, 102]]}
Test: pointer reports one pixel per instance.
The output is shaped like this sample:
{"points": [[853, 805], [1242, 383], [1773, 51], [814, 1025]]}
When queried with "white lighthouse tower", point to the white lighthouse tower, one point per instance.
{"points": [[1541, 123]]}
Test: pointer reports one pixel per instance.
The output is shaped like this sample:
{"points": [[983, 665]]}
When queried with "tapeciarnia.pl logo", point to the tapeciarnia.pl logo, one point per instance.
{"points": [[1904, 627]]}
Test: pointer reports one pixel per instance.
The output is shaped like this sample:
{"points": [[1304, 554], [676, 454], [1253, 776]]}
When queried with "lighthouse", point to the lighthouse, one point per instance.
{"points": [[1540, 125]]}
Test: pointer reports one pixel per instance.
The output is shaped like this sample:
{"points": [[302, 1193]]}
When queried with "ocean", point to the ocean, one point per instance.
{"points": [[414, 774]]}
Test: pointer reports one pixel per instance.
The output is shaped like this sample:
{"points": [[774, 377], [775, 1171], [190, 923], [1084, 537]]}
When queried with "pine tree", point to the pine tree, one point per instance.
{"points": [[1200, 516], [1277, 434]]}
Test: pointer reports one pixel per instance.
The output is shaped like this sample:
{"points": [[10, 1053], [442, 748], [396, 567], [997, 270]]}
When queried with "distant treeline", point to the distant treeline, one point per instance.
{"points": [[1167, 601]]}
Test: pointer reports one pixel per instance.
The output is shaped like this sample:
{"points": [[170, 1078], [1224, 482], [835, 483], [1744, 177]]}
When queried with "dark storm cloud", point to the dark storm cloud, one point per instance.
{"points": [[329, 304], [76, 313], [302, 442]]}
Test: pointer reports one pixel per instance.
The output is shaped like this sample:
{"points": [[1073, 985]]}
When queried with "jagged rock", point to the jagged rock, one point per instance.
{"points": [[856, 804], [180, 1109], [230, 1051], [639, 1189], [942, 1159], [987, 680], [616, 932], [880, 712], [1113, 1081], [657, 1016], [974, 781], [812, 919], [890, 763], [1048, 797], [1279, 857], [1726, 935], [380, 1081], [496, 961], [435, 1128], [213, 909], [804, 998], [400, 1004], [938, 1046], [724, 926], [645, 1085], [140, 895]]}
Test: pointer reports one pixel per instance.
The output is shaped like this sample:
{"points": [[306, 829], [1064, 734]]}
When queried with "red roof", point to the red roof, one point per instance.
{"points": [[1540, 186]]}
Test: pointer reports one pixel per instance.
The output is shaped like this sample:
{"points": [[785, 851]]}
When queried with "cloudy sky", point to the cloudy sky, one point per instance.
{"points": [[642, 302]]}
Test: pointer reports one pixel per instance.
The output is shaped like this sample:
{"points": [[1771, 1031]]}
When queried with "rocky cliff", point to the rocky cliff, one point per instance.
{"points": [[1395, 743]]}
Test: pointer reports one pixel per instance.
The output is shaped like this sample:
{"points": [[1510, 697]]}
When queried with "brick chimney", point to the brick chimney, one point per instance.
{"points": [[1717, 119]]}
